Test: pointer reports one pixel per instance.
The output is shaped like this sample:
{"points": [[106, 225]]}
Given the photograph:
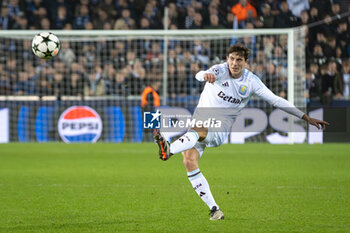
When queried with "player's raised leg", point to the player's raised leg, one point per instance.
{"points": [[185, 142], [199, 183], [163, 144]]}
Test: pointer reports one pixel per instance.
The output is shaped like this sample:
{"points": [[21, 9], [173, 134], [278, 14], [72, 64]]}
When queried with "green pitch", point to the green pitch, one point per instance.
{"points": [[126, 188]]}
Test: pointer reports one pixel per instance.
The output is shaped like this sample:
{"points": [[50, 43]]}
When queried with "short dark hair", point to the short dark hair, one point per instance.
{"points": [[240, 49]]}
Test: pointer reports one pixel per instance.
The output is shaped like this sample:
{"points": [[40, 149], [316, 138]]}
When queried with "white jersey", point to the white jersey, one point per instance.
{"points": [[229, 95]]}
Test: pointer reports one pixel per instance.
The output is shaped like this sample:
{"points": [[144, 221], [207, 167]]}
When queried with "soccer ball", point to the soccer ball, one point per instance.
{"points": [[45, 45]]}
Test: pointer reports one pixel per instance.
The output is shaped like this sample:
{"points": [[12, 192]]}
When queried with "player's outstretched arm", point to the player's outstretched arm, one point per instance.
{"points": [[316, 122]]}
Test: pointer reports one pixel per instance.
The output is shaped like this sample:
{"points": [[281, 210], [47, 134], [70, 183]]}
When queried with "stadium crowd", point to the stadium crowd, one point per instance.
{"points": [[124, 68]]}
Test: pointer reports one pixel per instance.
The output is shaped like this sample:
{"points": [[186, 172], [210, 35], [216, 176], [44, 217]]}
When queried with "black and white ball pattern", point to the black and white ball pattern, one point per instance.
{"points": [[45, 45]]}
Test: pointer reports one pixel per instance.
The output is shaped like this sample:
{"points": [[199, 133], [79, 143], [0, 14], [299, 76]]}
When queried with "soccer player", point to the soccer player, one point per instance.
{"points": [[228, 86]]}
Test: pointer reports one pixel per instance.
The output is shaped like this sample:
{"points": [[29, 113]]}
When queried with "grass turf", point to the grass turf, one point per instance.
{"points": [[126, 188]]}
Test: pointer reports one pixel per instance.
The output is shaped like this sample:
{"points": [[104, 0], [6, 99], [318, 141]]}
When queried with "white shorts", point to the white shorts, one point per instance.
{"points": [[215, 136], [213, 139]]}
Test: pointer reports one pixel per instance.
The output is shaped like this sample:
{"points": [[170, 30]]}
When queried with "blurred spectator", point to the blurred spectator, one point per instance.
{"points": [[259, 70], [335, 12], [125, 21], [144, 24], [274, 5], [268, 45], [66, 54], [181, 78], [45, 24], [82, 18], [101, 19], [304, 18], [209, 10], [108, 6], [270, 77], [316, 85], [21, 23], [330, 47], [150, 97], [202, 51], [197, 22], [60, 67], [328, 74], [5, 84], [61, 17], [68, 26], [6, 20], [214, 23], [129, 64], [22, 85], [279, 58], [318, 56], [138, 71], [153, 16], [320, 39], [75, 85], [282, 81], [149, 102], [314, 16], [25, 52], [308, 85], [11, 72], [230, 19], [189, 19], [338, 83], [267, 18], [250, 43], [134, 83], [173, 14], [59, 84], [16, 9], [328, 28], [107, 26], [343, 34], [297, 6], [285, 18], [95, 85], [89, 26], [154, 52], [243, 11], [45, 81], [193, 87], [260, 56], [322, 7], [346, 78], [39, 15], [118, 85], [118, 54], [176, 83]]}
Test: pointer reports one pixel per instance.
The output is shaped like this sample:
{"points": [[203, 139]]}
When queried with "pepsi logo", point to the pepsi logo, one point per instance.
{"points": [[80, 124]]}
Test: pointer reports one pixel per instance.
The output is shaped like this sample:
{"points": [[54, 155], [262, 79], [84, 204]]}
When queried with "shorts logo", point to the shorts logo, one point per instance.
{"points": [[80, 124], [242, 89], [151, 120]]}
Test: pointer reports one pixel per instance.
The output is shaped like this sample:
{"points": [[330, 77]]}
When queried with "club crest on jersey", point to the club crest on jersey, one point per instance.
{"points": [[242, 89]]}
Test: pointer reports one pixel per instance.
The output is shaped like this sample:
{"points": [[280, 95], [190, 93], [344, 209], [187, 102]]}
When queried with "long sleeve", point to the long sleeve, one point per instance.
{"points": [[266, 94], [217, 70], [200, 76]]}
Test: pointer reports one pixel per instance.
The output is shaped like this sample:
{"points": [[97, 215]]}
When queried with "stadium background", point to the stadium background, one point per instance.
{"points": [[111, 73], [124, 187]]}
